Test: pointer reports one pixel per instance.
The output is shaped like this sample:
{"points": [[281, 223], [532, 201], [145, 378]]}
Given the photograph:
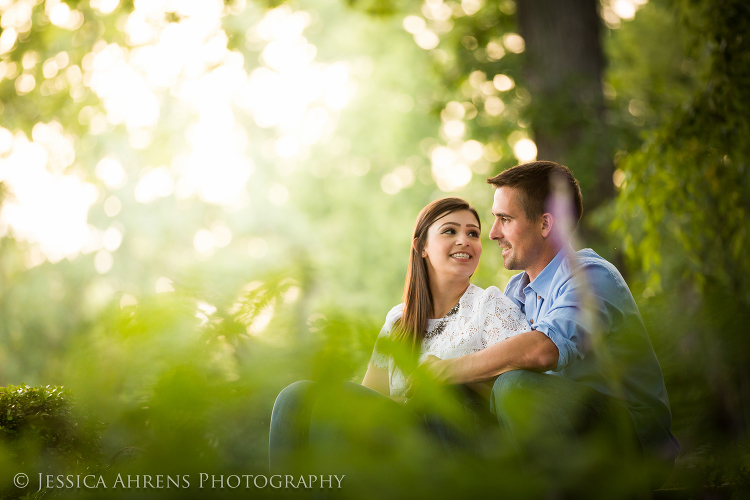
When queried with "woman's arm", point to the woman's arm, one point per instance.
{"points": [[377, 380], [377, 377]]}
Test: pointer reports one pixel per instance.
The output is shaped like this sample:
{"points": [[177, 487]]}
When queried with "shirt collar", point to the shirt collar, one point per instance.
{"points": [[543, 282], [519, 291]]}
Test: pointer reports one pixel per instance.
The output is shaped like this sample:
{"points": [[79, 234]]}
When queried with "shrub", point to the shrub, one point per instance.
{"points": [[43, 422]]}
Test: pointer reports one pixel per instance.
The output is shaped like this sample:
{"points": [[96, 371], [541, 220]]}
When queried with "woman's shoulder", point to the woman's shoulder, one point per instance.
{"points": [[393, 315], [396, 311], [492, 310], [477, 299], [478, 295]]}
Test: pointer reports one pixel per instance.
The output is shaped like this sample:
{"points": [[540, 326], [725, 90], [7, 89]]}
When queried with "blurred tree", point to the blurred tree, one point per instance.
{"points": [[564, 69], [544, 85], [684, 204], [693, 172]]}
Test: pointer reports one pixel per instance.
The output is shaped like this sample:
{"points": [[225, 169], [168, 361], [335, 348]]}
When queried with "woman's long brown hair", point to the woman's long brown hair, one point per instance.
{"points": [[418, 303]]}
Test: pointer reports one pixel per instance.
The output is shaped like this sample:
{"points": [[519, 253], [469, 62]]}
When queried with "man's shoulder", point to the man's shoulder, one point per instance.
{"points": [[597, 271], [589, 261]]}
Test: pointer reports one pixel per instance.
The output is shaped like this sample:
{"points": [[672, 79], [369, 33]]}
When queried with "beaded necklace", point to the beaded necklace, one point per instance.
{"points": [[441, 326]]}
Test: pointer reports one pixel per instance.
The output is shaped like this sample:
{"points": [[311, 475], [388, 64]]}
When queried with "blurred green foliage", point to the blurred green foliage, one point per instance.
{"points": [[188, 376], [689, 184], [681, 217], [42, 425], [46, 413]]}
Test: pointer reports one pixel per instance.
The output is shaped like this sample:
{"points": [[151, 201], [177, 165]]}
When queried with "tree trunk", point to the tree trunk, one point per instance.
{"points": [[563, 69]]}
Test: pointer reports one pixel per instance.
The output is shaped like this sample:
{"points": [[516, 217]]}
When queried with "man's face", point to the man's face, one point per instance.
{"points": [[520, 238]]}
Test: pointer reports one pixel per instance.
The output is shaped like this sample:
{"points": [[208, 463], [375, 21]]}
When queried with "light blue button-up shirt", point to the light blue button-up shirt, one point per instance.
{"points": [[582, 303]]}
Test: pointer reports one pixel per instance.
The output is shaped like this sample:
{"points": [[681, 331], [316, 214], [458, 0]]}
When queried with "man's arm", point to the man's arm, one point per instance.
{"points": [[587, 303], [531, 350]]}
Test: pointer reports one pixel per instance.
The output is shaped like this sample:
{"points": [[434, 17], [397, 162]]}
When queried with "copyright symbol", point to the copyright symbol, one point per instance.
{"points": [[21, 480]]}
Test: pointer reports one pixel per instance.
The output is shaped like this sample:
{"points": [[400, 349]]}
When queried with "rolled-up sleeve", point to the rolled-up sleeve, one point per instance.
{"points": [[586, 305]]}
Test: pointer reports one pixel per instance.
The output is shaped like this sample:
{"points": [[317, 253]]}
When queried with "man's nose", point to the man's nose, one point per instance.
{"points": [[495, 232]]}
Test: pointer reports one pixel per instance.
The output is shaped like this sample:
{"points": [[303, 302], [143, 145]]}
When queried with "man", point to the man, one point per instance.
{"points": [[587, 358]]}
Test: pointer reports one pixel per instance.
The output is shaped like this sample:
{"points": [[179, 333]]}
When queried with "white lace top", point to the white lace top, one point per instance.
{"points": [[484, 318]]}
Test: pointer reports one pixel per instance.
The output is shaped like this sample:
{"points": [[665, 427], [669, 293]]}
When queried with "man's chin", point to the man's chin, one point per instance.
{"points": [[510, 265]]}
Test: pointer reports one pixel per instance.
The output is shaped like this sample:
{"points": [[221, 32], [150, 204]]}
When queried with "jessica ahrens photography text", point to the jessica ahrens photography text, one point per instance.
{"points": [[183, 481]]}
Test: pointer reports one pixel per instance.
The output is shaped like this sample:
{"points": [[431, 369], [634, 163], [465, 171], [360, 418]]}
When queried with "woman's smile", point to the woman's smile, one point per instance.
{"points": [[453, 239], [462, 256]]}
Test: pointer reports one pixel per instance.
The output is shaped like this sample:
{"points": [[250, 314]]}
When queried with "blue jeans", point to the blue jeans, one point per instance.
{"points": [[531, 405], [558, 427], [300, 408], [310, 415], [549, 424]]}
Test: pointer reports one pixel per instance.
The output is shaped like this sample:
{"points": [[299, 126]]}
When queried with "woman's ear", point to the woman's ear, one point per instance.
{"points": [[415, 245]]}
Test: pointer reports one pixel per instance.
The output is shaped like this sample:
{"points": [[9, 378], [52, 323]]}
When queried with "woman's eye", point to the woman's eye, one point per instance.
{"points": [[474, 234], [449, 231]]}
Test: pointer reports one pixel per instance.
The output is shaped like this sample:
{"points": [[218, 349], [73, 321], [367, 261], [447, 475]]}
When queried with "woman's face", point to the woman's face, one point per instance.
{"points": [[453, 247]]}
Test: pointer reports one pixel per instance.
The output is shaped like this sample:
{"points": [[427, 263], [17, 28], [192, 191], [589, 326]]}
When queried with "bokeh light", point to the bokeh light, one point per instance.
{"points": [[164, 285], [514, 42], [503, 83], [525, 150], [48, 207]]}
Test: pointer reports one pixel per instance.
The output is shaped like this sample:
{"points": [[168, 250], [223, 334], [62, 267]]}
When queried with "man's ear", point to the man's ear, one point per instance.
{"points": [[548, 222]]}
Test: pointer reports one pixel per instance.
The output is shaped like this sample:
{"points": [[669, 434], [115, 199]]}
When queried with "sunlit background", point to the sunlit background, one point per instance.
{"points": [[185, 135], [204, 145], [168, 108], [226, 123]]}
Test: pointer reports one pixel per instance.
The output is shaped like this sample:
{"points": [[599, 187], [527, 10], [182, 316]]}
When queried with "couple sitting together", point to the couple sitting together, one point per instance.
{"points": [[566, 333]]}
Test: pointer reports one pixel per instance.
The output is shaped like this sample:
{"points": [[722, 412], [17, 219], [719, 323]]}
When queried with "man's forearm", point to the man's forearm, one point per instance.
{"points": [[527, 351]]}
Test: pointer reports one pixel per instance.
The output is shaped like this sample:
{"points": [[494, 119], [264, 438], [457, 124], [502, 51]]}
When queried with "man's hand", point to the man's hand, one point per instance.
{"points": [[433, 367]]}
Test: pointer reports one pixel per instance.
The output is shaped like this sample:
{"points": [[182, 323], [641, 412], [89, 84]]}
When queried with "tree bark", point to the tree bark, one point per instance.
{"points": [[563, 68]]}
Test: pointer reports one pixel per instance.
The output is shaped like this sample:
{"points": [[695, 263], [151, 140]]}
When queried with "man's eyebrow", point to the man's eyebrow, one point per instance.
{"points": [[502, 214]]}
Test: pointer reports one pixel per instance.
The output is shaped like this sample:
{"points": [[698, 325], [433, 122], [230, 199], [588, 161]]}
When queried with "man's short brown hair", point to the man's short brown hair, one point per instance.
{"points": [[534, 180]]}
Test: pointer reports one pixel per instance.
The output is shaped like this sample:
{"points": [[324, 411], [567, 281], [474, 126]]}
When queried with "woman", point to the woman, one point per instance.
{"points": [[443, 315]]}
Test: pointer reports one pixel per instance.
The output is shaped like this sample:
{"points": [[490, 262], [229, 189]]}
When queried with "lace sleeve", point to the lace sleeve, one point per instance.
{"points": [[378, 359], [501, 317]]}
